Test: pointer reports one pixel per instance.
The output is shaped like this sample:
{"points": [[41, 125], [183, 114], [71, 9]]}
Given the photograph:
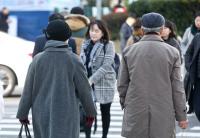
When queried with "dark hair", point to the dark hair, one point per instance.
{"points": [[197, 14], [101, 25], [77, 10], [169, 24], [137, 25], [56, 16]]}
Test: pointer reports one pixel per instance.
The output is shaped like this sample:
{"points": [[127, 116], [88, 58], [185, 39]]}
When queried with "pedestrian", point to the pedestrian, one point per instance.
{"points": [[126, 30], [190, 32], [55, 83], [78, 23], [97, 55], [41, 39], [4, 14], [192, 65], [169, 36], [150, 87], [136, 34]]}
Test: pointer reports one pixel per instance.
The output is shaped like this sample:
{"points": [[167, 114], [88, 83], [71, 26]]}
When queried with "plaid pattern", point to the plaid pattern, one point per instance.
{"points": [[103, 74]]}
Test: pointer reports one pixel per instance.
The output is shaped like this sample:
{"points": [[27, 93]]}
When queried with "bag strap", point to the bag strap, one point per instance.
{"points": [[20, 132], [28, 135]]}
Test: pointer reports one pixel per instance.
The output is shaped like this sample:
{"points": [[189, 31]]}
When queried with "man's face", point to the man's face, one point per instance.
{"points": [[5, 11]]}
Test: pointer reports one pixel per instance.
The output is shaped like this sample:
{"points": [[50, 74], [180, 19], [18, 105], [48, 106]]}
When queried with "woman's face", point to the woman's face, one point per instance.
{"points": [[95, 33], [197, 22], [165, 33]]}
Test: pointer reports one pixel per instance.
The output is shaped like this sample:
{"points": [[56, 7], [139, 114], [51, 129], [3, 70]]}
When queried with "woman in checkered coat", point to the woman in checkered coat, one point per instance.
{"points": [[97, 55]]}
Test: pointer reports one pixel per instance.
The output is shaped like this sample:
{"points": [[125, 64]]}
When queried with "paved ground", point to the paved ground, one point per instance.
{"points": [[10, 125]]}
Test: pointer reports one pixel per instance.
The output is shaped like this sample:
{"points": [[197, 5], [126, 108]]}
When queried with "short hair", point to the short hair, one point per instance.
{"points": [[101, 25], [56, 16]]}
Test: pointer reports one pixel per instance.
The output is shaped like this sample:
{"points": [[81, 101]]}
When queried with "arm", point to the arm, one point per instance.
{"points": [[107, 64], [185, 40], [189, 55], [26, 99], [39, 45], [123, 81], [83, 89], [178, 94]]}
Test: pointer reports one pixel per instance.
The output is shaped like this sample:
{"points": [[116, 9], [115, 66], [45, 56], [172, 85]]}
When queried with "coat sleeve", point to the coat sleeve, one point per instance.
{"points": [[26, 98], [123, 80], [83, 90], [189, 54], [185, 40], [106, 66], [178, 94]]}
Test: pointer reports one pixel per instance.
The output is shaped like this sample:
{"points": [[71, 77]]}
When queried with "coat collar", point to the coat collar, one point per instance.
{"points": [[151, 37], [53, 45]]}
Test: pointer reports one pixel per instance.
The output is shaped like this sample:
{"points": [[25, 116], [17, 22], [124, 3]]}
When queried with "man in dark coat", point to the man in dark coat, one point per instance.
{"points": [[41, 40], [192, 65], [55, 84], [4, 19]]}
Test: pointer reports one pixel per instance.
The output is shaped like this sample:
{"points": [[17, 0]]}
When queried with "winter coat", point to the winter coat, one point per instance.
{"points": [[150, 83], [125, 33], [188, 36], [173, 42], [79, 25], [103, 74], [3, 22], [49, 91]]}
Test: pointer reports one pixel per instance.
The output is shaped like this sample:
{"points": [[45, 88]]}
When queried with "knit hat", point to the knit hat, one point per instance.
{"points": [[152, 22], [58, 30], [77, 10]]}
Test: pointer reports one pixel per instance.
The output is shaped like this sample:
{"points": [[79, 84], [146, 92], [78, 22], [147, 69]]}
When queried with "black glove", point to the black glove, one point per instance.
{"points": [[24, 121]]}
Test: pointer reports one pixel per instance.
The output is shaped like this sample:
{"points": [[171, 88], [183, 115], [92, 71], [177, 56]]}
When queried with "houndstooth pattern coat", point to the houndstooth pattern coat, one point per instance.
{"points": [[103, 74]]}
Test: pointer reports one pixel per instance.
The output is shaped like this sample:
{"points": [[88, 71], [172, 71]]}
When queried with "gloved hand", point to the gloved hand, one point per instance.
{"points": [[24, 121], [122, 101], [89, 121]]}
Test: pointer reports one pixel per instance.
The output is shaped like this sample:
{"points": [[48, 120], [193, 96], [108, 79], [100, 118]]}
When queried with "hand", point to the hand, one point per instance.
{"points": [[89, 121], [122, 100], [24, 121], [183, 124]]}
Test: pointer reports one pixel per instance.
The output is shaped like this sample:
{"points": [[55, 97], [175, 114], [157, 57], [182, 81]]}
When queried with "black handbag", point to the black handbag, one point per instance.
{"points": [[27, 132]]}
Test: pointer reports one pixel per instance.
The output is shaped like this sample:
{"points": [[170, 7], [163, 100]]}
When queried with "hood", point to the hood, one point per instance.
{"points": [[76, 21], [55, 44]]}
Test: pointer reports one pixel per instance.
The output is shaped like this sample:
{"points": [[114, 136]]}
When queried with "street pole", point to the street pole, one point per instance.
{"points": [[99, 8]]}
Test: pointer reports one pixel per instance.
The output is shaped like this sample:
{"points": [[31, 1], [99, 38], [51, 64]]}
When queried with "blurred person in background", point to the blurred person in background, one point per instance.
{"points": [[78, 23], [41, 39], [126, 30], [192, 65], [97, 55], [169, 36], [190, 32], [55, 84], [136, 34], [4, 21], [151, 107]]}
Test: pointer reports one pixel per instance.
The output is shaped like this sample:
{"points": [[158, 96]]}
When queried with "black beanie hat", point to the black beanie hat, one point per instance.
{"points": [[77, 10], [58, 30]]}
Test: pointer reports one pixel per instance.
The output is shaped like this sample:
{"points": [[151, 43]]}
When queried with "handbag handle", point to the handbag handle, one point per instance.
{"points": [[28, 135]]}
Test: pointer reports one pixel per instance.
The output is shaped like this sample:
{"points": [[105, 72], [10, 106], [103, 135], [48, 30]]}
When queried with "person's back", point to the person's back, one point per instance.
{"points": [[56, 82], [78, 23], [150, 86]]}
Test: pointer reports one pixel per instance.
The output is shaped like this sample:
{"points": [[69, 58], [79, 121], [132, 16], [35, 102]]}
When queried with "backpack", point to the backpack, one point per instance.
{"points": [[116, 63]]}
